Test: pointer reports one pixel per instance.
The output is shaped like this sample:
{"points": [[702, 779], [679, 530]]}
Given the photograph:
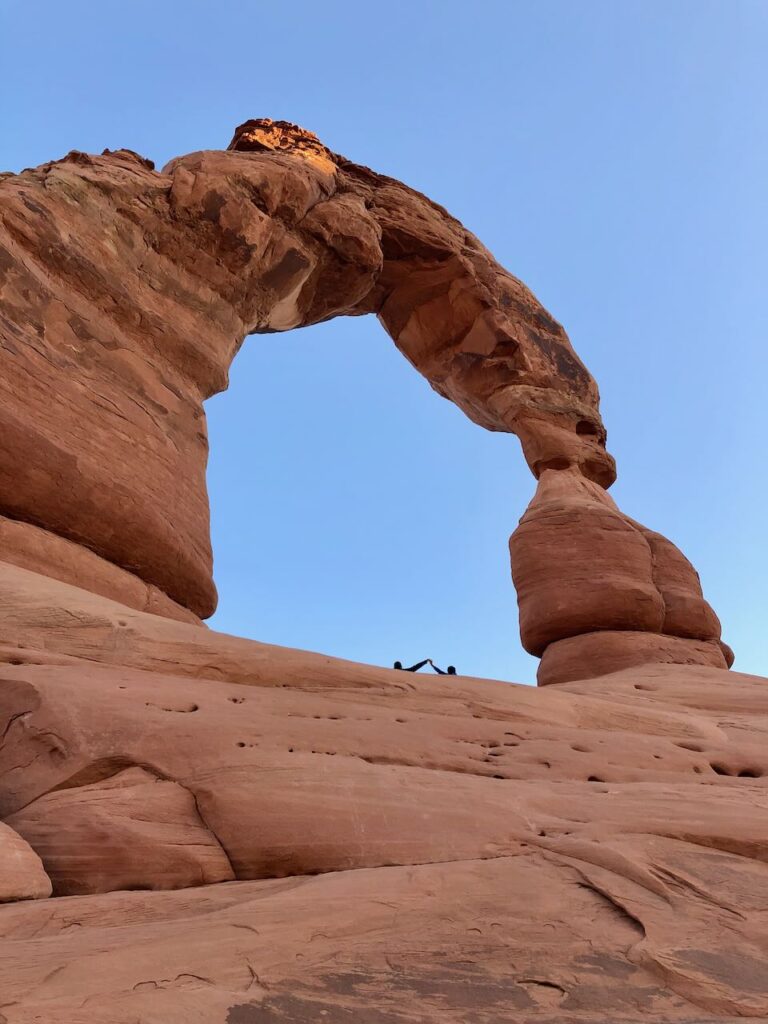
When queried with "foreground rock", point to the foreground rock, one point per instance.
{"points": [[130, 830], [22, 876], [481, 850], [126, 293], [524, 938]]}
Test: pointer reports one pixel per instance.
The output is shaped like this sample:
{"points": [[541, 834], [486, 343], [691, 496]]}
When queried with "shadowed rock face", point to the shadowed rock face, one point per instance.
{"points": [[126, 294]]}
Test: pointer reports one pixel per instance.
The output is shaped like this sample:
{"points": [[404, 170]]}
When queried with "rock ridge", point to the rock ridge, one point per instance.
{"points": [[239, 832]]}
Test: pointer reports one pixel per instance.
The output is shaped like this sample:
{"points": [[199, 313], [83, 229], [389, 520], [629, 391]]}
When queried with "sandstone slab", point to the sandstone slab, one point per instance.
{"points": [[43, 552], [402, 845], [22, 875], [595, 654], [390, 946], [130, 830]]}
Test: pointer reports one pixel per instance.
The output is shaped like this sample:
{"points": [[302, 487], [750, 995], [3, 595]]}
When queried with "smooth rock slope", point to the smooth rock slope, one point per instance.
{"points": [[386, 848]]}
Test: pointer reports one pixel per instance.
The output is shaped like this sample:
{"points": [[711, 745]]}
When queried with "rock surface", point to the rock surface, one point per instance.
{"points": [[22, 876], [598, 592], [308, 838], [596, 654], [44, 552], [131, 829], [126, 293], [404, 848]]}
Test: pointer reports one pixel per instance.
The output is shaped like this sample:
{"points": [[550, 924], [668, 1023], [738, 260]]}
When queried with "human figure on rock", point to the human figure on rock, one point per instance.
{"points": [[413, 668], [450, 671]]}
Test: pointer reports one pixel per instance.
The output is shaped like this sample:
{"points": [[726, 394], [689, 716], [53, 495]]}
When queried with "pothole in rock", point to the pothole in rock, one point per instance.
{"points": [[740, 773], [180, 708]]}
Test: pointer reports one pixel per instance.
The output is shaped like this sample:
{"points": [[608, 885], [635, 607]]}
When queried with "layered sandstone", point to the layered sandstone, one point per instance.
{"points": [[22, 875], [129, 829], [599, 592], [237, 833], [126, 293], [400, 848]]}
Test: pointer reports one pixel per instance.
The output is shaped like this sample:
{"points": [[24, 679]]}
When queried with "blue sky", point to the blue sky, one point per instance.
{"points": [[612, 153]]}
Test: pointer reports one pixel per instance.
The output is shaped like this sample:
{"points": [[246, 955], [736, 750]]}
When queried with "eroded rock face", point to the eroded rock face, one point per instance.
{"points": [[22, 875], [481, 850], [127, 292], [38, 550], [478, 335], [128, 829], [484, 850], [595, 654], [598, 592]]}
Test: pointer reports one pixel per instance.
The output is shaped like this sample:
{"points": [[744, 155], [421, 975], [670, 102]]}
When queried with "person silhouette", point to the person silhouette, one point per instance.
{"points": [[413, 668], [450, 671]]}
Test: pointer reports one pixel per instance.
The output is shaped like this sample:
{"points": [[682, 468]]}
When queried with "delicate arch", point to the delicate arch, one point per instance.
{"points": [[127, 293]]}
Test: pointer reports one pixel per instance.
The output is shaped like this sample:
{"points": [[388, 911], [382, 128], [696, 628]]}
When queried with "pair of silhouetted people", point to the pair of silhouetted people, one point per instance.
{"points": [[450, 671]]}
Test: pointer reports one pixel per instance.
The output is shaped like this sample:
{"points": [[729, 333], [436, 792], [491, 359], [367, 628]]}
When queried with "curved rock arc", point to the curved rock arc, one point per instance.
{"points": [[127, 292]]}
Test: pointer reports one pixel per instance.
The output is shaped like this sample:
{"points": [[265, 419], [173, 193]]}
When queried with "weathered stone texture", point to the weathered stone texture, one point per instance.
{"points": [[126, 293], [481, 849], [22, 876], [591, 850]]}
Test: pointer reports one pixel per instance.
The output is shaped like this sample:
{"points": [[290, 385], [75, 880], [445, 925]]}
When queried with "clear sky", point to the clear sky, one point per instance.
{"points": [[612, 153]]}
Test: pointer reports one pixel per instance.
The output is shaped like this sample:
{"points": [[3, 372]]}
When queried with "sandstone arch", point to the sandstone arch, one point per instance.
{"points": [[126, 294]]}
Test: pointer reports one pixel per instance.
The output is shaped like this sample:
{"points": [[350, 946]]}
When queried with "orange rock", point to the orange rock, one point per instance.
{"points": [[129, 829], [686, 613], [43, 552], [145, 285], [595, 654], [537, 937], [579, 565], [22, 876], [582, 568], [485, 848]]}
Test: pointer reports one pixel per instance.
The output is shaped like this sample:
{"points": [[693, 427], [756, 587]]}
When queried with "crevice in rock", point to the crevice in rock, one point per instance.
{"points": [[686, 886], [206, 825], [551, 986], [390, 761], [102, 770], [11, 720], [615, 904]]}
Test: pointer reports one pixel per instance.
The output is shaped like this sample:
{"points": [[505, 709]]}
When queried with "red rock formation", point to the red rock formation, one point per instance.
{"points": [[488, 851], [484, 850], [126, 294], [598, 592], [41, 551], [129, 829], [22, 876]]}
